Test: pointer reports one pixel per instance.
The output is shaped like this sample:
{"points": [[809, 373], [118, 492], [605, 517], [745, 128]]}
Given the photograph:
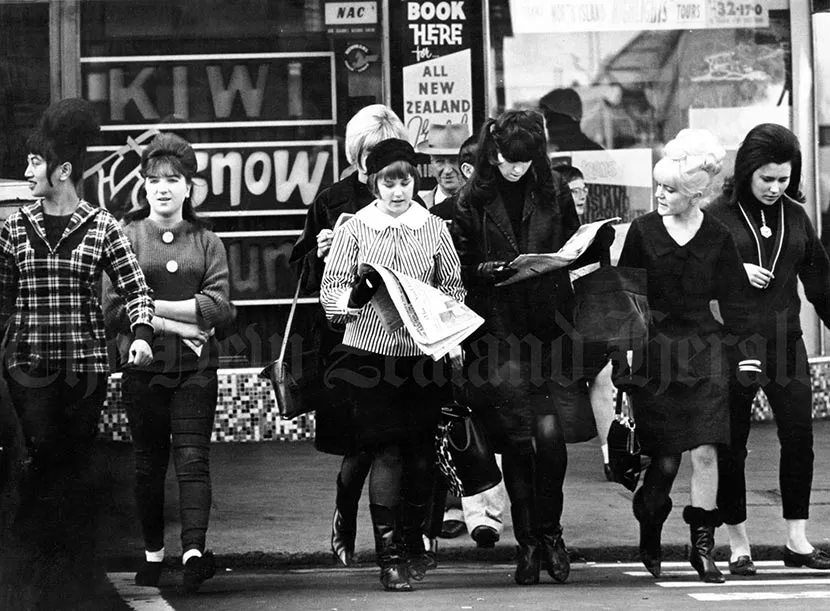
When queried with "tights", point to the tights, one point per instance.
{"points": [[401, 471], [354, 469], [658, 481]]}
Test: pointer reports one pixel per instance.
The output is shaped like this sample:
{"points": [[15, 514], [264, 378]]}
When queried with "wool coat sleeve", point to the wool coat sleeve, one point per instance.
{"points": [[814, 271], [309, 267]]}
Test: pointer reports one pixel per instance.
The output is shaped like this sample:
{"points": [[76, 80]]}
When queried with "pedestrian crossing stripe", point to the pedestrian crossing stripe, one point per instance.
{"points": [[736, 596], [742, 583]]}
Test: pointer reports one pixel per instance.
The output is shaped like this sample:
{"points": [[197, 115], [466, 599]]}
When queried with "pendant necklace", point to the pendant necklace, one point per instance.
{"points": [[765, 231]]}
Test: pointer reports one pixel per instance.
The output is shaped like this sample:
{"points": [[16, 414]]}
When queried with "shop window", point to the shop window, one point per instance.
{"points": [[625, 77], [263, 90]]}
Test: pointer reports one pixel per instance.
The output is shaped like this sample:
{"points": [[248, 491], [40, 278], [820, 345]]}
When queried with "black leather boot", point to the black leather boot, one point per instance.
{"points": [[386, 522], [554, 555], [528, 553], [344, 523], [702, 525], [651, 531], [418, 560]]}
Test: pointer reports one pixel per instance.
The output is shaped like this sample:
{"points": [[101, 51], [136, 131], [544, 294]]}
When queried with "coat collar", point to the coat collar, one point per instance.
{"points": [[34, 214], [414, 217]]}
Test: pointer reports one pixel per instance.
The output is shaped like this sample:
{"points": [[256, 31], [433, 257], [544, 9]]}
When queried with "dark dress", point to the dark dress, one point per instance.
{"points": [[683, 370]]}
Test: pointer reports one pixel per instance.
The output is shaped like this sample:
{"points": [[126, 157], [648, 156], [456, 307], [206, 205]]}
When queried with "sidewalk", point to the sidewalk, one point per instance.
{"points": [[272, 507]]}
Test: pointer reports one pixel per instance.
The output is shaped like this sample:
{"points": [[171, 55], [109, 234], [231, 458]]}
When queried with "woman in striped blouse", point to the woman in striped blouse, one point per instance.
{"points": [[396, 389]]}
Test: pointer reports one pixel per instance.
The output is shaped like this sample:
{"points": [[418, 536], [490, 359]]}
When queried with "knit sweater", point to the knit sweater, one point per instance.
{"points": [[777, 308], [193, 264]]}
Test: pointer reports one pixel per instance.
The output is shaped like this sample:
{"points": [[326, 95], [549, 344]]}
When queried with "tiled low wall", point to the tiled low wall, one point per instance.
{"points": [[247, 411]]}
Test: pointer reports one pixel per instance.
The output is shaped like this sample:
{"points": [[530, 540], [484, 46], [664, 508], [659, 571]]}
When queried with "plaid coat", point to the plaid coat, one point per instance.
{"points": [[49, 297]]}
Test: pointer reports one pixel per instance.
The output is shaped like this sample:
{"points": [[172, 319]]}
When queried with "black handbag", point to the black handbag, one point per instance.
{"points": [[288, 393], [611, 307], [624, 457], [465, 456]]}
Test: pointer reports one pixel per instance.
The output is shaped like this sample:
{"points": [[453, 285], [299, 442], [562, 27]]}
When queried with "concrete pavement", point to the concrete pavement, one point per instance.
{"points": [[272, 506]]}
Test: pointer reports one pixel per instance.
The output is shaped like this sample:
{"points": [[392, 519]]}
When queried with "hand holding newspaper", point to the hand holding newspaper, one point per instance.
{"points": [[531, 265], [437, 322]]}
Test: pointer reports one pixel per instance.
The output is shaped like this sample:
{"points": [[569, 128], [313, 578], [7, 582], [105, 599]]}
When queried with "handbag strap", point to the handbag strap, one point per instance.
{"points": [[618, 404], [290, 318]]}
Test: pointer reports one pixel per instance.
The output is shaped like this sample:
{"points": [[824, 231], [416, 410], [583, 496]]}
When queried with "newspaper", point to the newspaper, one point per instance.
{"points": [[531, 265], [437, 322]]}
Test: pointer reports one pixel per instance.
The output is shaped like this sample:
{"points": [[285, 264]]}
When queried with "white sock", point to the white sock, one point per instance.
{"points": [[190, 554], [604, 449], [154, 556]]}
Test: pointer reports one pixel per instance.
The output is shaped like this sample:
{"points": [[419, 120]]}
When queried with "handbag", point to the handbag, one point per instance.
{"points": [[465, 456], [624, 457], [611, 307], [288, 393]]}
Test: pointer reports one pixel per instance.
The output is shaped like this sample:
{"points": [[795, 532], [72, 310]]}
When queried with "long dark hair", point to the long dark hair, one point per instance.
{"points": [[172, 154], [519, 135], [765, 143]]}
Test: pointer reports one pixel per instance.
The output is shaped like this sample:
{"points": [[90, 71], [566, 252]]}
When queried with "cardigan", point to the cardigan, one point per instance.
{"points": [[776, 309], [416, 243], [200, 272], [49, 294]]}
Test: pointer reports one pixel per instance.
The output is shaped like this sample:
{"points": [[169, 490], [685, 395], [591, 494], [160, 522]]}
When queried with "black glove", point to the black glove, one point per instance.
{"points": [[364, 288], [493, 272], [599, 250], [749, 371]]}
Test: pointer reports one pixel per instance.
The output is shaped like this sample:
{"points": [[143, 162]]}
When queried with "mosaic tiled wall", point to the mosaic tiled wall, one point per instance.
{"points": [[247, 410]]}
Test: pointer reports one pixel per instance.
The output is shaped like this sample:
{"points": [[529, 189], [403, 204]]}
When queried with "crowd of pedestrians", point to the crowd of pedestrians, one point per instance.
{"points": [[724, 323]]}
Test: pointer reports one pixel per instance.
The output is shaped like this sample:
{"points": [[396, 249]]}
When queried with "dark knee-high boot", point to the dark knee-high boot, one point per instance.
{"points": [[386, 522], [417, 558], [528, 553], [344, 523], [554, 556], [651, 530], [702, 525]]}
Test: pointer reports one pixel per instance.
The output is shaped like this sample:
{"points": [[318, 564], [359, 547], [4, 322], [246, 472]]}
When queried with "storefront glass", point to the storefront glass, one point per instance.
{"points": [[632, 74], [263, 90]]}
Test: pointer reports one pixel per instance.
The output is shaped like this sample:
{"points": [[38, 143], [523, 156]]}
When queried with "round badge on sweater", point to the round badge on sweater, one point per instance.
{"points": [[172, 266], [167, 237]]}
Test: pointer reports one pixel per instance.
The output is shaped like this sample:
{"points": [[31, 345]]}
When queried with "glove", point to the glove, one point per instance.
{"points": [[599, 250], [749, 371], [364, 288], [493, 272]]}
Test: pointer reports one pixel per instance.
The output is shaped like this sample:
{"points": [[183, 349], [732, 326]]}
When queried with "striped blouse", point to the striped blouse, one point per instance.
{"points": [[416, 243]]}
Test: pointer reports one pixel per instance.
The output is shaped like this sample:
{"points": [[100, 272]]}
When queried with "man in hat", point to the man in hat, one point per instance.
{"points": [[562, 109], [442, 144]]}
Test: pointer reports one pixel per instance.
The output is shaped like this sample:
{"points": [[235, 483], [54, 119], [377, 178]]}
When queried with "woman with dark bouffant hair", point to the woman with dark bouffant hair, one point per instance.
{"points": [[763, 207], [515, 204], [53, 253], [171, 401]]}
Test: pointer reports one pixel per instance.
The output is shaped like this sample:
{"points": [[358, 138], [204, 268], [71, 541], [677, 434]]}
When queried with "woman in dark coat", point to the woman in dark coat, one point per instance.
{"points": [[515, 204], [335, 431], [681, 404], [763, 208]]}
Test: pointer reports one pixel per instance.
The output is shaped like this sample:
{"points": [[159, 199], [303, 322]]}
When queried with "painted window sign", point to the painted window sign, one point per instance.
{"points": [[236, 178], [212, 91]]}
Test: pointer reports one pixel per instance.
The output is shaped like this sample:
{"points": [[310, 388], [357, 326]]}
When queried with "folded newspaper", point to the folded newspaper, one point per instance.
{"points": [[532, 265], [437, 322]]}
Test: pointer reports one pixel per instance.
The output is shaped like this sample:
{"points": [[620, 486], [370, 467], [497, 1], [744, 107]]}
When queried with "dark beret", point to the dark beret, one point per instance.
{"points": [[389, 151]]}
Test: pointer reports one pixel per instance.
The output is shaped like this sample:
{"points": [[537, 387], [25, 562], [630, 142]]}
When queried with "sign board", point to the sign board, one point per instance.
{"points": [[212, 91], [351, 17], [545, 16], [435, 43], [258, 266], [619, 181], [233, 178]]}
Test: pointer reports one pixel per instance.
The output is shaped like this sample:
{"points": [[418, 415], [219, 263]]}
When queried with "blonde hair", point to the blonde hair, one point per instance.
{"points": [[370, 125], [690, 162]]}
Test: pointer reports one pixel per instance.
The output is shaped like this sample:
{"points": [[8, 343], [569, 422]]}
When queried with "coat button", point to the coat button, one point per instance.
{"points": [[167, 237], [172, 266]]}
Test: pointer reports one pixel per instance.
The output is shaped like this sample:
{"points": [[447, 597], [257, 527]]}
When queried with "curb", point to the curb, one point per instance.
{"points": [[499, 555]]}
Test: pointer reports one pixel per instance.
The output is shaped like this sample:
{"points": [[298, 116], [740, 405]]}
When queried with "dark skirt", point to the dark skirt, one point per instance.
{"points": [[396, 399]]}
